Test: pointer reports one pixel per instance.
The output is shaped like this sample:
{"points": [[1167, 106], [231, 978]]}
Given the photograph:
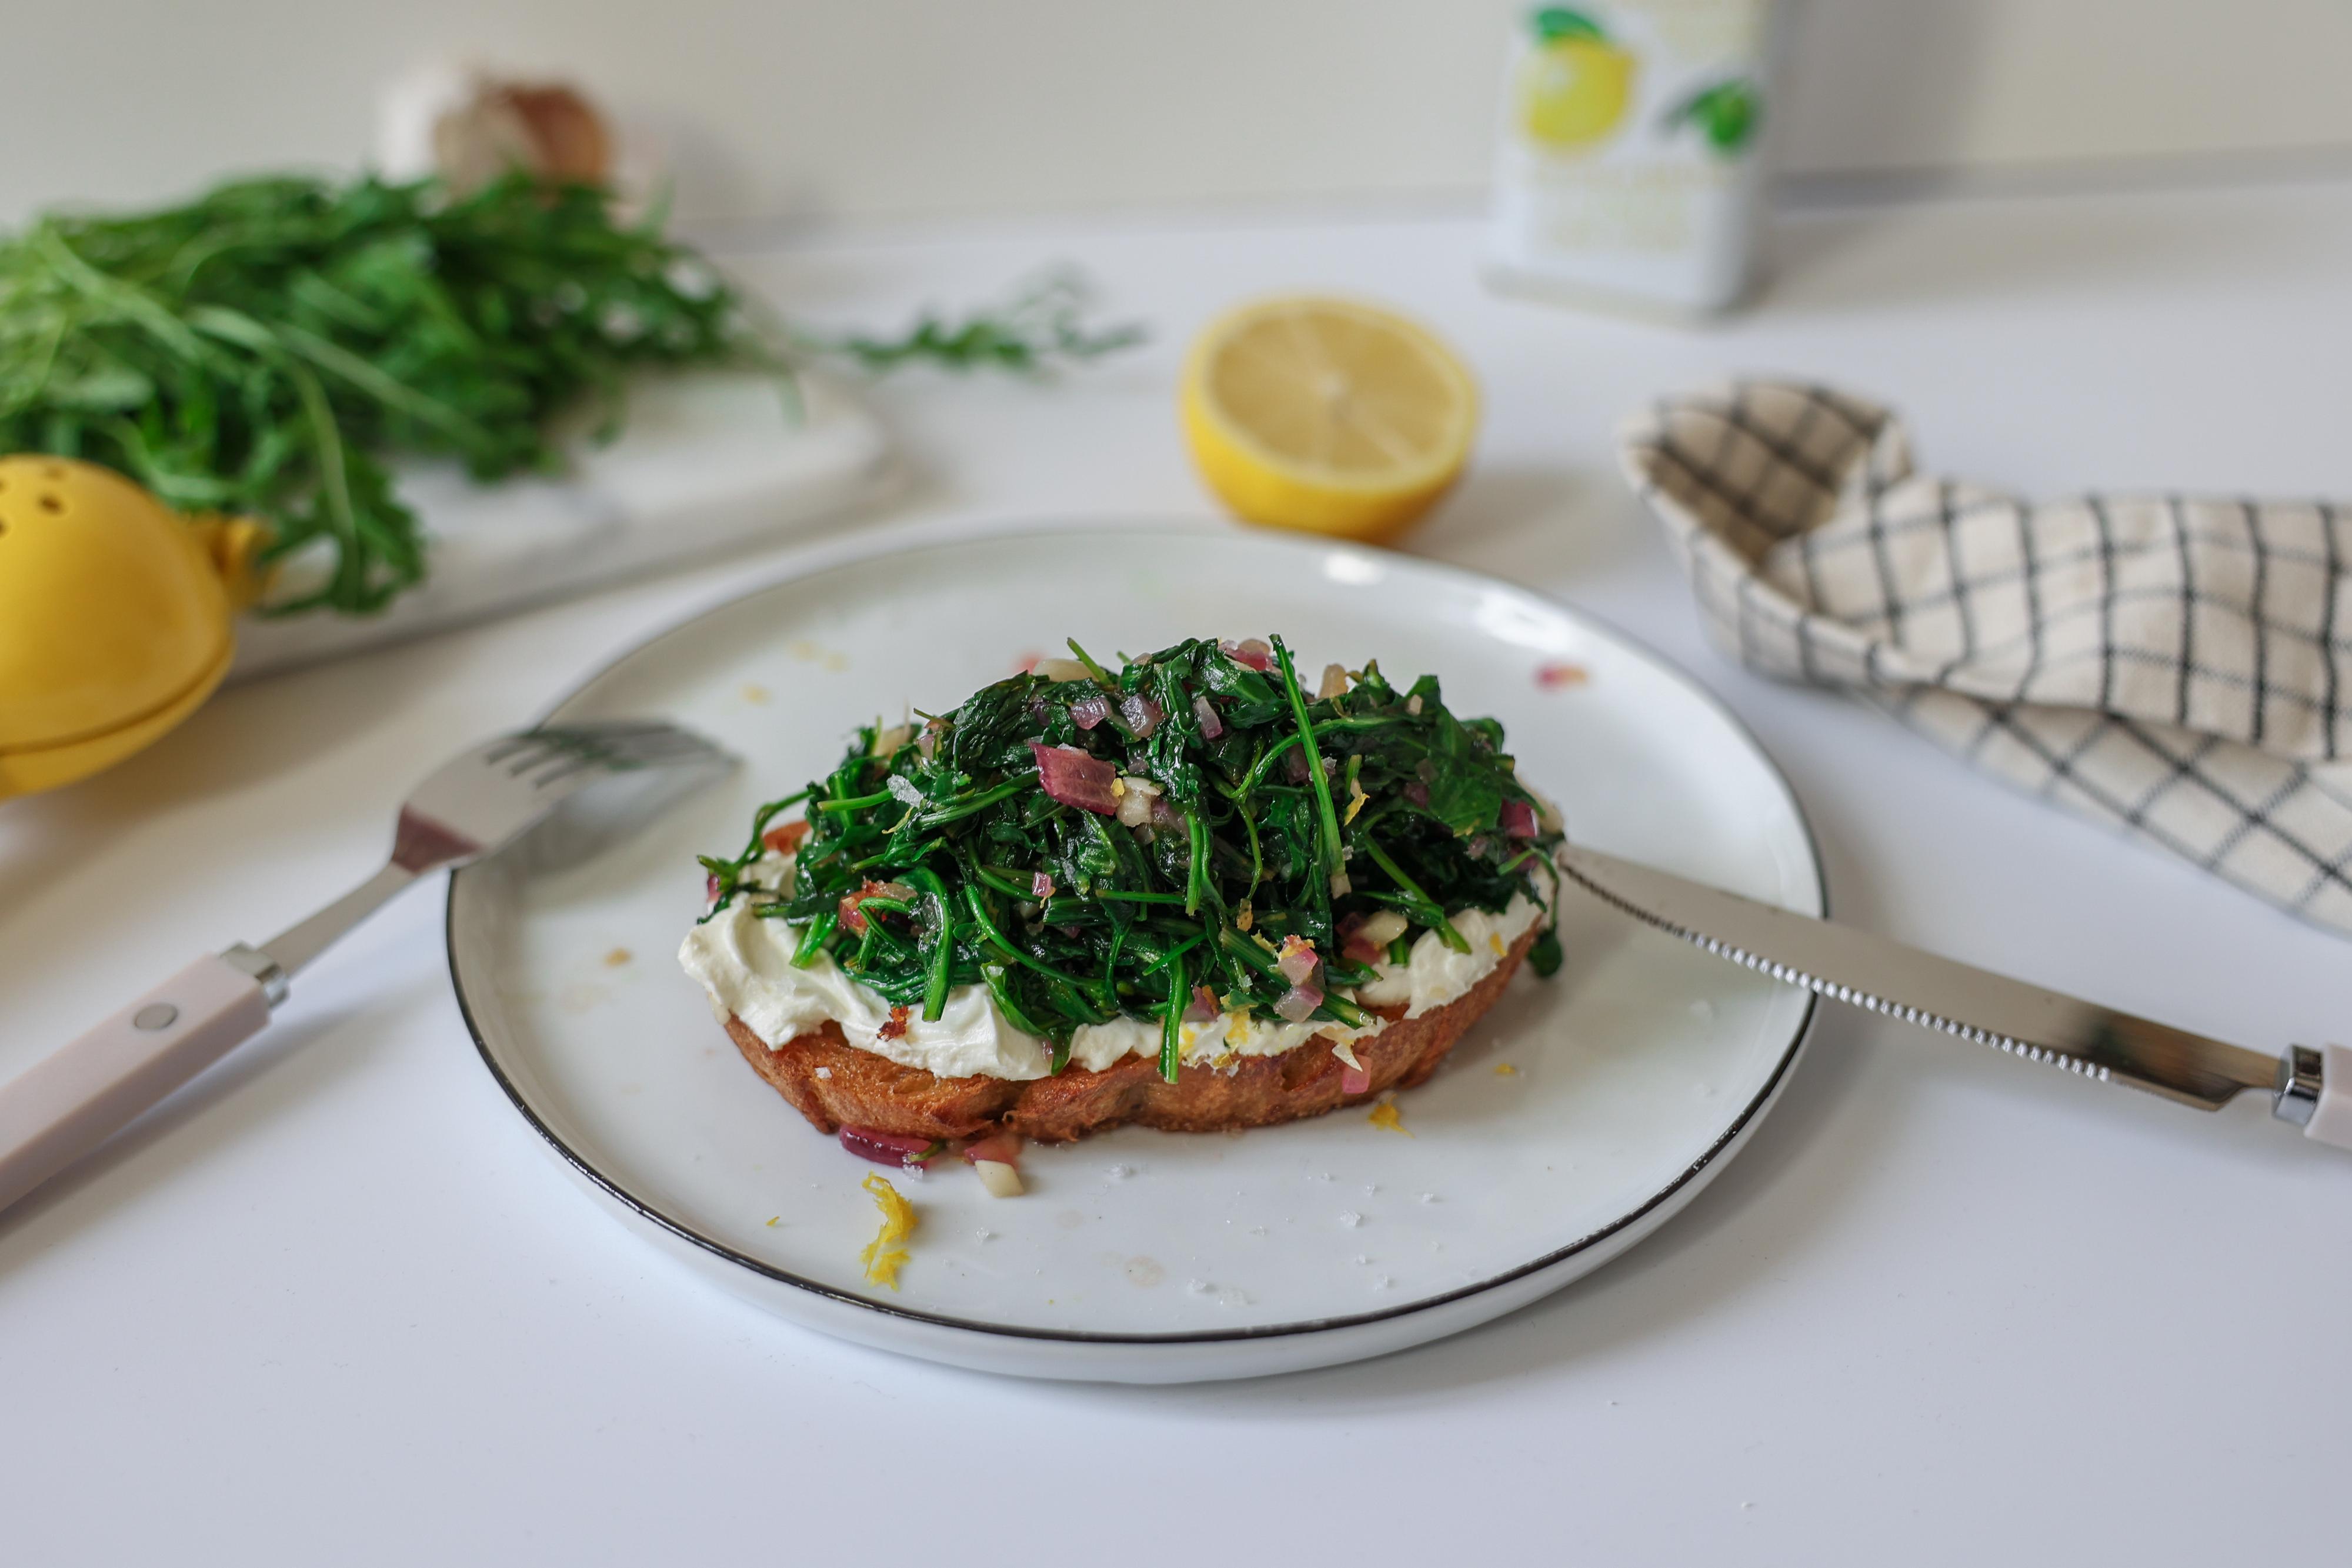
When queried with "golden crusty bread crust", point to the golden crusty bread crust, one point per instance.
{"points": [[858, 1088]]}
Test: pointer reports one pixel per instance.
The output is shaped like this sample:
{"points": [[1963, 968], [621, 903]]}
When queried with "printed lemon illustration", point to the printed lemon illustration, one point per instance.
{"points": [[1575, 84], [1329, 416]]}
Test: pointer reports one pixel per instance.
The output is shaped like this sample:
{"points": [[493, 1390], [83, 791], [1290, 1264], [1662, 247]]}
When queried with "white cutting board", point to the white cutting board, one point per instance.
{"points": [[705, 463]]}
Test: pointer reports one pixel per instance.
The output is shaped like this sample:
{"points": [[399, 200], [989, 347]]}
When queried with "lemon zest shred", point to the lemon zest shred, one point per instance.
{"points": [[897, 1224], [1387, 1118], [1505, 1069]]}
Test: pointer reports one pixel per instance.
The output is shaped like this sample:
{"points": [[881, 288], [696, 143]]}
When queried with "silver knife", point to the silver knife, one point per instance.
{"points": [[2310, 1088]]}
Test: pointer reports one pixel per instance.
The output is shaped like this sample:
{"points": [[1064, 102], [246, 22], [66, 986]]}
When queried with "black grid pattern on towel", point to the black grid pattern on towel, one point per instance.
{"points": [[2172, 665]]}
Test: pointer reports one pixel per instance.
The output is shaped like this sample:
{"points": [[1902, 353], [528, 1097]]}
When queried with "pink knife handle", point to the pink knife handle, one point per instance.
{"points": [[2331, 1118], [71, 1101]]}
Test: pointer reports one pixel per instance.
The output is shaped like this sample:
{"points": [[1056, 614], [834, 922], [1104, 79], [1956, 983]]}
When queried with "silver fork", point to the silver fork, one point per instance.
{"points": [[475, 805]]}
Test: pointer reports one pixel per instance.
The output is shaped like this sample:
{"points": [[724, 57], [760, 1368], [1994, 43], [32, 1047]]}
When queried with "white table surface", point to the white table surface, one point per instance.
{"points": [[334, 1303]]}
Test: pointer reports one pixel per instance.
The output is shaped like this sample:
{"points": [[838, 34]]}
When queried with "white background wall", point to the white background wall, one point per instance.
{"points": [[917, 107]]}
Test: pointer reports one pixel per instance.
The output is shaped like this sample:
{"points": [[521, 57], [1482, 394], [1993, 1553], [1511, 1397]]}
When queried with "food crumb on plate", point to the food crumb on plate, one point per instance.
{"points": [[755, 693], [1505, 1069], [1387, 1118], [1351, 1219], [1552, 676], [617, 957]]}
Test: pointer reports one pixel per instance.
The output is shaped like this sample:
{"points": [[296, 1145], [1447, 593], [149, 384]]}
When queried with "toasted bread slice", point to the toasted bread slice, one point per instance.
{"points": [[835, 1084]]}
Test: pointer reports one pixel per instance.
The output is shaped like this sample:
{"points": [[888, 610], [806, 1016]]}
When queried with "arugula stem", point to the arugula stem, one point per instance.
{"points": [[1334, 861], [1441, 925], [941, 942], [1179, 995], [957, 810], [1004, 943], [856, 803]]}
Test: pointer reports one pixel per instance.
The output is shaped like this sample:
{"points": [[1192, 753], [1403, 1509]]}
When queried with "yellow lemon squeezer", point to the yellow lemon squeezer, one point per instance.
{"points": [[116, 617]]}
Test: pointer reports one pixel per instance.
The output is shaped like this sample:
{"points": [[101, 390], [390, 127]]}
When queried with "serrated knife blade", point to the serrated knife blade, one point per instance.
{"points": [[1887, 977]]}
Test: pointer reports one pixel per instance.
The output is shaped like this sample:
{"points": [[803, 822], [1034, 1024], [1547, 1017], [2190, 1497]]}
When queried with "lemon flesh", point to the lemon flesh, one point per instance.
{"points": [[1326, 415]]}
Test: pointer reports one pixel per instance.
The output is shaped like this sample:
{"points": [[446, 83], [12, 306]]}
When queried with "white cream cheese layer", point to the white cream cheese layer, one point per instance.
{"points": [[745, 964]]}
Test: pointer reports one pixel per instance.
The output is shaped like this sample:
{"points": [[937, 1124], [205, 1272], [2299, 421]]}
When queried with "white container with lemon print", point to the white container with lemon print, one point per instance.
{"points": [[1629, 149]]}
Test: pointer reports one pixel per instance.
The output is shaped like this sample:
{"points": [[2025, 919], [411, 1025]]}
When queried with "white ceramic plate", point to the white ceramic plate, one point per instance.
{"points": [[1142, 1255]]}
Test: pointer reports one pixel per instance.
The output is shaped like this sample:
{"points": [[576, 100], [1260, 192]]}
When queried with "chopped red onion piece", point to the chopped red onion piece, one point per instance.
{"points": [[1211, 725], [710, 888], [886, 1148], [1002, 1147], [928, 741], [1354, 945], [1294, 764], [853, 919], [1416, 792], [1298, 1003], [1254, 652], [1089, 711], [1166, 815], [1297, 961], [1203, 1008], [1355, 1079], [1142, 713], [1041, 886], [1518, 819], [1071, 777]]}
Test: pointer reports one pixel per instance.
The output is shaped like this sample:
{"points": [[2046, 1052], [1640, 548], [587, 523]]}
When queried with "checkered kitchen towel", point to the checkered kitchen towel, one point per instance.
{"points": [[2181, 666]]}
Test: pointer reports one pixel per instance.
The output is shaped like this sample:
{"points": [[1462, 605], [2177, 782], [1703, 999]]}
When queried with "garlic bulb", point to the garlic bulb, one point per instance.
{"points": [[470, 126]]}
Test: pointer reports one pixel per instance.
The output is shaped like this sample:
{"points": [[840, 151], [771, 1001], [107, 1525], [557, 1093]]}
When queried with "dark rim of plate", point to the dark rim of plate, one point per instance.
{"points": [[818, 562]]}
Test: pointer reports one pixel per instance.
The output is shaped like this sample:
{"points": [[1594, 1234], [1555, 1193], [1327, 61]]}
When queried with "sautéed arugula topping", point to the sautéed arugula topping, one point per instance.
{"points": [[1154, 843]]}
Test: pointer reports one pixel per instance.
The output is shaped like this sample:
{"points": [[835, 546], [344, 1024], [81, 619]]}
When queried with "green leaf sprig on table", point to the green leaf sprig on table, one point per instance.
{"points": [[1042, 326], [262, 350], [943, 843]]}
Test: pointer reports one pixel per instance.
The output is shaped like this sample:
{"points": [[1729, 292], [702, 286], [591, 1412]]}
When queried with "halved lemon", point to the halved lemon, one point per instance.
{"points": [[1328, 416]]}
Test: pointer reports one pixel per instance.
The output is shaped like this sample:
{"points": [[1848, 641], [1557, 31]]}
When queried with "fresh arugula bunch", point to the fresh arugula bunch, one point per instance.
{"points": [[262, 350], [991, 847]]}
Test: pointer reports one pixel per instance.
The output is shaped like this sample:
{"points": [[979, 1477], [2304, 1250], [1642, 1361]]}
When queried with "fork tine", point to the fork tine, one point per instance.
{"points": [[500, 750], [664, 745], [567, 768]]}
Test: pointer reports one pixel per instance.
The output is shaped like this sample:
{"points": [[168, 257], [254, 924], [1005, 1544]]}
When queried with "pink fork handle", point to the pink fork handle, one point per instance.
{"points": [[73, 1100]]}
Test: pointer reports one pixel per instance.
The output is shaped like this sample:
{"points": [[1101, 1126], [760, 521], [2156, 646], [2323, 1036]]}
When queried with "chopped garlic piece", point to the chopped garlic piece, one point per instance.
{"points": [[1003, 1181]]}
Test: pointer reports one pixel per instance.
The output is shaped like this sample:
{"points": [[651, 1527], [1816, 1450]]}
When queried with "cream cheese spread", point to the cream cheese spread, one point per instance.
{"points": [[745, 965]]}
